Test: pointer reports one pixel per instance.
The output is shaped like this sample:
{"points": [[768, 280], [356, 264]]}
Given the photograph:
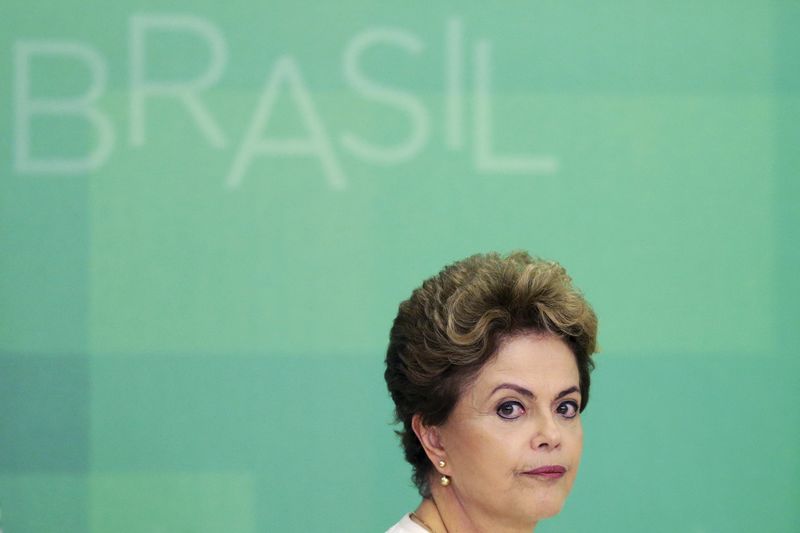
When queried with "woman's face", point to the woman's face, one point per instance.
{"points": [[520, 414]]}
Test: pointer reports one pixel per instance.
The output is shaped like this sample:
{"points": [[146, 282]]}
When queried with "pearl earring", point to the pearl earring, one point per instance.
{"points": [[444, 480]]}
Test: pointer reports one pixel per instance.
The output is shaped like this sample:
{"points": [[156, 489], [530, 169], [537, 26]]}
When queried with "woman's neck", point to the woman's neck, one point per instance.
{"points": [[444, 512]]}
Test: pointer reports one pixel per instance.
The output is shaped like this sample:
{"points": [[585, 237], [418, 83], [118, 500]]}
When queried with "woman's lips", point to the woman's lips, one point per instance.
{"points": [[547, 472]]}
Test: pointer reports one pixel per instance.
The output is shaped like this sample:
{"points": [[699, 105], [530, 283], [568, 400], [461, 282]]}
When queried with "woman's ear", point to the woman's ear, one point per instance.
{"points": [[431, 440]]}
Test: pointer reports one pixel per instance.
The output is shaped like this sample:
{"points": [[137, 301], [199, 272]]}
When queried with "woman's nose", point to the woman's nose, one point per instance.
{"points": [[547, 433]]}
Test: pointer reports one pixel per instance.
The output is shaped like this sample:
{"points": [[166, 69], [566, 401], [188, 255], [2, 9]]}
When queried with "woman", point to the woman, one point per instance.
{"points": [[488, 366]]}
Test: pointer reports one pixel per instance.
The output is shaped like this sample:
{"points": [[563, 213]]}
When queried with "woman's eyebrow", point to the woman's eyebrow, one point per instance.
{"points": [[529, 393], [521, 390], [567, 391]]}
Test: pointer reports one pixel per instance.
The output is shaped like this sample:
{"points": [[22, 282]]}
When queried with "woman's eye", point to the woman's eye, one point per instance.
{"points": [[510, 410], [567, 409]]}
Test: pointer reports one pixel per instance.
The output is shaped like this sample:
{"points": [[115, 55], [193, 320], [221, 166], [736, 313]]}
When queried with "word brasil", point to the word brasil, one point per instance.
{"points": [[285, 76]]}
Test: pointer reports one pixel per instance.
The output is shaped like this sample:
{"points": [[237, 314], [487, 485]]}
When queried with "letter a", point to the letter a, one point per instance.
{"points": [[316, 144]]}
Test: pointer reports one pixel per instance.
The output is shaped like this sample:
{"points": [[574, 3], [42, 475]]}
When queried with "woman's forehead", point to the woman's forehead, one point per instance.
{"points": [[530, 361]]}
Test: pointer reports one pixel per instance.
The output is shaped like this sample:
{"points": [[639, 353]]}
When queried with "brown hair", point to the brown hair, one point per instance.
{"points": [[452, 326]]}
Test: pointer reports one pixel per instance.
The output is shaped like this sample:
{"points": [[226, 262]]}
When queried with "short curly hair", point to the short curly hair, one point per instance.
{"points": [[452, 326]]}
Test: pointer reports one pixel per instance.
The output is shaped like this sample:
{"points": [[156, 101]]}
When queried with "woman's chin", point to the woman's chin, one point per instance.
{"points": [[546, 508]]}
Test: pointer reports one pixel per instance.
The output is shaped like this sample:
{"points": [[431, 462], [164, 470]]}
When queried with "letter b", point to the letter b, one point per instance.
{"points": [[26, 107]]}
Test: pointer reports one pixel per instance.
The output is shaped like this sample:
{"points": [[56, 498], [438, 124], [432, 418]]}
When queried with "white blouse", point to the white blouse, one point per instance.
{"points": [[406, 525]]}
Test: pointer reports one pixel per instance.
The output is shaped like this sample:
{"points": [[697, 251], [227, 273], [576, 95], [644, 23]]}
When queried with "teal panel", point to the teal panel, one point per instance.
{"points": [[44, 414], [172, 501], [787, 208], [44, 249], [284, 431], [44, 219], [44, 502]]}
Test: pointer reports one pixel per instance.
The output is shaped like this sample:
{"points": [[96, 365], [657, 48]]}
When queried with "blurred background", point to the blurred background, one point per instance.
{"points": [[209, 214]]}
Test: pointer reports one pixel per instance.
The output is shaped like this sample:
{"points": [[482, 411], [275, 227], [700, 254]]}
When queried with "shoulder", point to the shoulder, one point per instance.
{"points": [[406, 525]]}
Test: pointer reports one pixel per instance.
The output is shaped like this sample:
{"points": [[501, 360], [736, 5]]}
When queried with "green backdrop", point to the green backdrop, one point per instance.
{"points": [[209, 213]]}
